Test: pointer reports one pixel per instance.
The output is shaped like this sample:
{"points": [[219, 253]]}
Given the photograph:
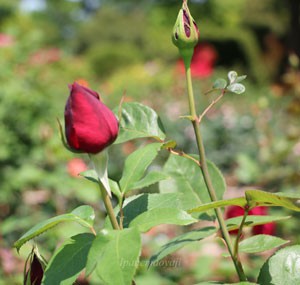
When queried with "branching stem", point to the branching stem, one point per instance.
{"points": [[206, 175], [211, 105], [183, 154], [240, 231]]}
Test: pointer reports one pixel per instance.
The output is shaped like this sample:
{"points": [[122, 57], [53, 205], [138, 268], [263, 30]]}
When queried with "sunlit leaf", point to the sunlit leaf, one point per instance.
{"points": [[262, 198], [282, 267], [139, 121], [252, 220], [83, 215], [114, 256], [186, 178], [150, 179], [158, 216], [139, 204], [259, 243], [241, 201], [136, 165]]}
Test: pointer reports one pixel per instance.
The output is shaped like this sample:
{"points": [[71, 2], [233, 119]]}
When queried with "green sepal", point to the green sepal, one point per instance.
{"points": [[63, 139]]}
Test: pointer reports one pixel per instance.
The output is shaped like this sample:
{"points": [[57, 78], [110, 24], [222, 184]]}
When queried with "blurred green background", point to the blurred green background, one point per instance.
{"points": [[118, 47]]}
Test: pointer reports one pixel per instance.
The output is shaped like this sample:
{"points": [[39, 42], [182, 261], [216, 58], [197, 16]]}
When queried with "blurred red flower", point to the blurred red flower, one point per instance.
{"points": [[6, 40], [45, 56], [75, 166], [203, 61], [266, 229]]}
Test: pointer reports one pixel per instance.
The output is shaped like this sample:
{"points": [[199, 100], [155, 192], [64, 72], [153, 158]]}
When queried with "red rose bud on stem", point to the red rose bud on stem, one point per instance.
{"points": [[90, 126], [33, 275], [185, 33]]}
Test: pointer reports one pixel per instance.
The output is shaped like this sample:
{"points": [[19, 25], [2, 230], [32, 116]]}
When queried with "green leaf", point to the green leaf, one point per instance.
{"points": [[180, 241], [282, 267], [240, 78], [216, 283], [114, 186], [99, 162], [137, 205], [259, 243], [92, 176], [252, 220], [150, 179], [158, 216], [136, 165], [83, 215], [236, 88], [114, 255], [186, 178], [139, 121], [220, 83], [241, 201], [232, 76], [68, 261], [262, 198], [169, 144]]}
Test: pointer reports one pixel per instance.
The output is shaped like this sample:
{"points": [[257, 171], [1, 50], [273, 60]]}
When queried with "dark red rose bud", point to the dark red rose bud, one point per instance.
{"points": [[34, 268], [90, 125]]}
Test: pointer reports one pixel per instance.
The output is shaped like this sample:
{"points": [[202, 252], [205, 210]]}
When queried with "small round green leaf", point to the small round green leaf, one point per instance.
{"points": [[240, 78], [220, 83], [232, 76], [282, 268], [236, 88]]}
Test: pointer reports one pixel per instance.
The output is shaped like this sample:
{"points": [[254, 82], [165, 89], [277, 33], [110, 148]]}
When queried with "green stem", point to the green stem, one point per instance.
{"points": [[207, 178], [109, 208], [240, 231]]}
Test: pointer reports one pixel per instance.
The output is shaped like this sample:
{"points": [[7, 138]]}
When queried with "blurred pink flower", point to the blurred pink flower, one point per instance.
{"points": [[266, 229], [203, 61], [45, 56], [75, 166], [6, 40]]}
